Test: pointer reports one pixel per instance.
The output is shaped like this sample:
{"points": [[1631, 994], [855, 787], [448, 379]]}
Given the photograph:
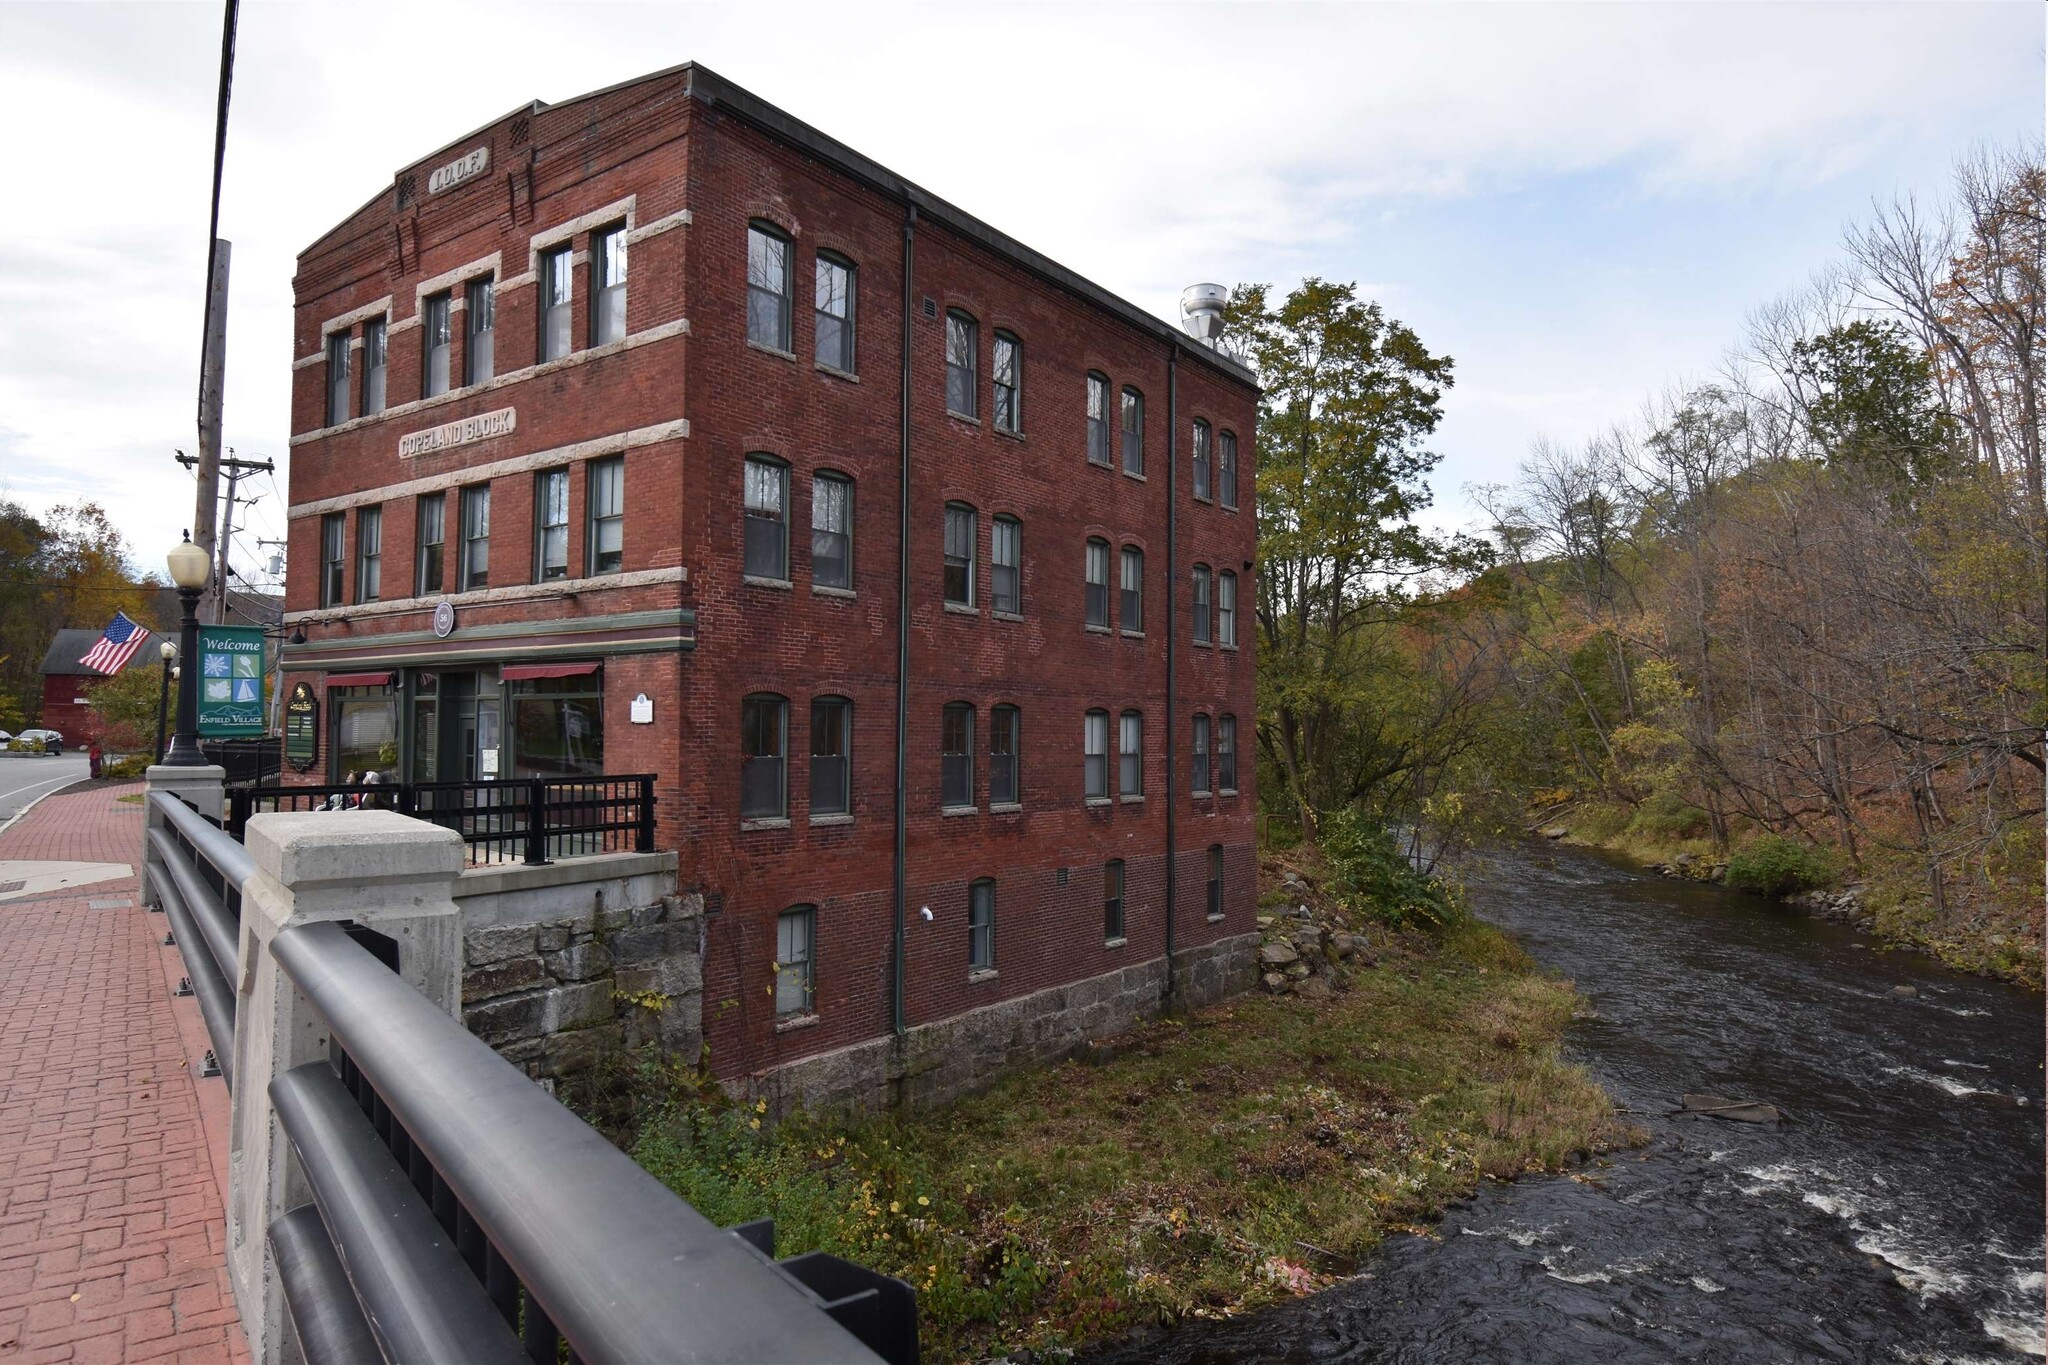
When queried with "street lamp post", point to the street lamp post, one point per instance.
{"points": [[167, 652], [190, 570]]}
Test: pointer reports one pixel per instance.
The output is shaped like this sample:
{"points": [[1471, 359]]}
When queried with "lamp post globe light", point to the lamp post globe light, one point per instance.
{"points": [[190, 569], [167, 652]]}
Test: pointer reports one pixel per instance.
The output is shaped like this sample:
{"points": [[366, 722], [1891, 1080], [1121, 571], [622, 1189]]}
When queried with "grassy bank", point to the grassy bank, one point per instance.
{"points": [[1217, 1162], [1994, 932]]}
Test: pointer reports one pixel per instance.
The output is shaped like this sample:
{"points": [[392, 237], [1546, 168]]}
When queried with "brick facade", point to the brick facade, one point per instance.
{"points": [[685, 162]]}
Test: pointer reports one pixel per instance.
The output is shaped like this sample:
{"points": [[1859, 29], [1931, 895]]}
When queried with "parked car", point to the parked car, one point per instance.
{"points": [[6, 741], [40, 741]]}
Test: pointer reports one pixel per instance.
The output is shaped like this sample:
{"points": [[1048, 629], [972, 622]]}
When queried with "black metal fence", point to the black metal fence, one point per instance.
{"points": [[501, 820]]}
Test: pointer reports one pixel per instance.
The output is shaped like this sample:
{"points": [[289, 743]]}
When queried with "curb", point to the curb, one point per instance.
{"points": [[15, 818]]}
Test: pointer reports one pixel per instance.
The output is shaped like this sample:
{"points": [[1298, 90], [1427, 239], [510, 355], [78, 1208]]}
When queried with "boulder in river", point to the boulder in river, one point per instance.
{"points": [[1904, 992]]}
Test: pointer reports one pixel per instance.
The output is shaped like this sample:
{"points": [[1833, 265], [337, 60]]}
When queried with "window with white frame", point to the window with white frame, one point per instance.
{"points": [[1130, 754], [608, 285], [550, 525], [959, 554], [428, 542], [376, 364], [337, 378], [795, 984], [476, 536], [831, 531], [1006, 566], [437, 335], [962, 341], [1097, 606], [557, 287], [956, 756], [369, 553], [604, 538], [1095, 755], [1098, 418], [479, 351], [768, 253], [766, 552], [333, 567]]}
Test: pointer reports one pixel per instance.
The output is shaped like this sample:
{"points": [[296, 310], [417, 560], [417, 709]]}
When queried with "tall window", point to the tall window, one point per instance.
{"points": [[333, 570], [1201, 604], [1113, 899], [376, 364], [832, 531], [834, 340], [476, 536], [795, 986], [1199, 768], [960, 536], [831, 756], [956, 755], [1131, 581], [1215, 881], [427, 543], [479, 355], [1098, 418], [764, 732], [1226, 467], [1006, 566], [767, 519], [1098, 583], [550, 525], [1004, 724], [1134, 432], [557, 287], [1226, 753], [1130, 754], [767, 287], [961, 341], [1095, 756], [981, 925], [436, 339], [1008, 375], [1226, 609], [604, 537], [369, 554], [608, 285], [337, 379], [1201, 458]]}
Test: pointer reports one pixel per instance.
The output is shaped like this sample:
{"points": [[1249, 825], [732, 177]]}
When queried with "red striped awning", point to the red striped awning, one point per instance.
{"points": [[517, 672], [359, 679]]}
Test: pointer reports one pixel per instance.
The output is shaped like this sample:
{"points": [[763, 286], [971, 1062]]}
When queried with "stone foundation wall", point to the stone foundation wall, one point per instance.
{"points": [[566, 964], [933, 1063]]}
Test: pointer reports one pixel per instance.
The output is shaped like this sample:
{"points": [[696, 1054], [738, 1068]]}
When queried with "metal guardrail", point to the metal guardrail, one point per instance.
{"points": [[198, 874], [501, 820], [477, 1219]]}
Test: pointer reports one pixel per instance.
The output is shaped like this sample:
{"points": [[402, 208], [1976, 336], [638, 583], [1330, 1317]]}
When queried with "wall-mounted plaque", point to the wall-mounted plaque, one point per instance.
{"points": [[465, 167]]}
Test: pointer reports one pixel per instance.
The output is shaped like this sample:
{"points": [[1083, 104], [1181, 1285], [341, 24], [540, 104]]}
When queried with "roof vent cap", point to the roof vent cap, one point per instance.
{"points": [[1201, 311]]}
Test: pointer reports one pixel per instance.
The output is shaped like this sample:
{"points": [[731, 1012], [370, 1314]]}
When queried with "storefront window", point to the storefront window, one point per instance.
{"points": [[426, 727], [365, 734], [557, 727]]}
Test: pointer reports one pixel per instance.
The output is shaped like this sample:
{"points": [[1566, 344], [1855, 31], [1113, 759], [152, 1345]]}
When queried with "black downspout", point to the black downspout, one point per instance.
{"points": [[896, 1019], [1172, 627]]}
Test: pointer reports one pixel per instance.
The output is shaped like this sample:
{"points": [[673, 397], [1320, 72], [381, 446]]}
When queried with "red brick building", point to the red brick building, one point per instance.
{"points": [[587, 374]]}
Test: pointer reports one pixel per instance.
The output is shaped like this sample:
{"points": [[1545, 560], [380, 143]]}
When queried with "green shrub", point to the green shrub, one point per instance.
{"points": [[1370, 874], [1776, 866], [125, 767], [1666, 815], [30, 745]]}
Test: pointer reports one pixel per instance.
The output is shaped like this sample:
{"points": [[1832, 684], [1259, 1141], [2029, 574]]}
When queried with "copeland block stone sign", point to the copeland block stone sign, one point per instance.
{"points": [[230, 681], [481, 427]]}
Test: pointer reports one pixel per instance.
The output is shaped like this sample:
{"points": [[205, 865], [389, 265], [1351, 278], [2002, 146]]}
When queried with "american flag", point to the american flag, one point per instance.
{"points": [[116, 646]]}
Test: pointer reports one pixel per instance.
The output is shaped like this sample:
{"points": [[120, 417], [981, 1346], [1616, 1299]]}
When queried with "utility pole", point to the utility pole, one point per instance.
{"points": [[205, 516], [212, 378]]}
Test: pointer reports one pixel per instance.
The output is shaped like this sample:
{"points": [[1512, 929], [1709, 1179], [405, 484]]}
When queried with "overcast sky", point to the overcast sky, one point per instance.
{"points": [[1578, 202]]}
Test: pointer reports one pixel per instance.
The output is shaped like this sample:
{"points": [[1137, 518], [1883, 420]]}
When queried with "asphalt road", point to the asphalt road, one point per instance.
{"points": [[24, 777]]}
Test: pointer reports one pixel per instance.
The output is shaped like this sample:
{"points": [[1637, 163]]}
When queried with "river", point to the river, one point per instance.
{"points": [[1898, 1216]]}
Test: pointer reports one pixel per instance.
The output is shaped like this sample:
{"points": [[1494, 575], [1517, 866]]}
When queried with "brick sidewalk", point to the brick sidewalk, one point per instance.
{"points": [[112, 1229]]}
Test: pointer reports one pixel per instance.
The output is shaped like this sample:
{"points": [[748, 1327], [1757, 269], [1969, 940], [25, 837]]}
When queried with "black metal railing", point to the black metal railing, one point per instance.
{"points": [[198, 871], [461, 1214], [501, 820]]}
